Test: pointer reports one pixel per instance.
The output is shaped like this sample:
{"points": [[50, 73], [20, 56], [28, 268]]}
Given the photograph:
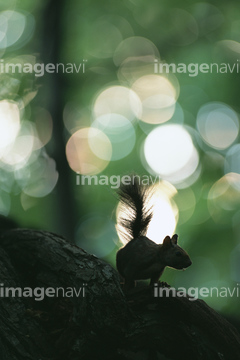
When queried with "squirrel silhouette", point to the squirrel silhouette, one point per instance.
{"points": [[141, 258]]}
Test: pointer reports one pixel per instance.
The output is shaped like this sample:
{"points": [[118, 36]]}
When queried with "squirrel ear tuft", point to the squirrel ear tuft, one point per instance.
{"points": [[167, 241], [174, 239]]}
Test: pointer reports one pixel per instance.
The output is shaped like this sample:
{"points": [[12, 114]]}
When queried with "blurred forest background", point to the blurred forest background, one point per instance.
{"points": [[118, 114]]}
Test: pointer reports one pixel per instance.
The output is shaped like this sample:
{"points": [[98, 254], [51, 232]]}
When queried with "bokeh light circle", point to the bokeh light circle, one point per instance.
{"points": [[224, 197], [134, 47], [82, 157], [158, 98], [118, 100], [9, 123], [218, 125], [39, 178], [119, 131], [232, 160], [12, 27], [170, 153], [19, 152], [16, 28]]}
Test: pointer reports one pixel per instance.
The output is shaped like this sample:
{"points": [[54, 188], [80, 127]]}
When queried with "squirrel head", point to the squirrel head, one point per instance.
{"points": [[173, 255]]}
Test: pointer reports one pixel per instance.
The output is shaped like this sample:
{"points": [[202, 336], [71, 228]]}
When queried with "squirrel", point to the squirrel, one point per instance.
{"points": [[141, 258]]}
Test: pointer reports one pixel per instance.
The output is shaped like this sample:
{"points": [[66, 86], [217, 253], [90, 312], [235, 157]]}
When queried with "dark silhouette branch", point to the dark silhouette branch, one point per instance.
{"points": [[105, 324]]}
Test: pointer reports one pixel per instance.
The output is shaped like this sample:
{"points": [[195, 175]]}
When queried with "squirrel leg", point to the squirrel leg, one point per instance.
{"points": [[155, 278]]}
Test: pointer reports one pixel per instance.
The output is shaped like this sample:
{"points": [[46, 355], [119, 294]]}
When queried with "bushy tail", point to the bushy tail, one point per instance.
{"points": [[136, 216]]}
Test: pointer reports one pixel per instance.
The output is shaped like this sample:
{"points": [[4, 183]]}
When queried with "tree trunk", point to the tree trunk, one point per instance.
{"points": [[100, 322]]}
